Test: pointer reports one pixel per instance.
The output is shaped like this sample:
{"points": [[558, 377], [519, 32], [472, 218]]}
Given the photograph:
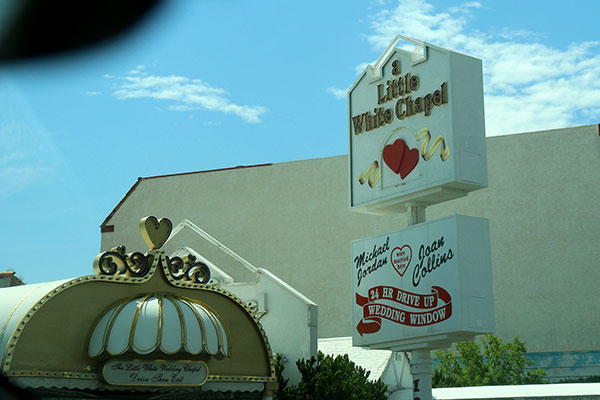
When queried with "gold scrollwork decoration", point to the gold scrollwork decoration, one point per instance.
{"points": [[176, 268], [200, 273], [116, 262], [138, 264], [188, 269]]}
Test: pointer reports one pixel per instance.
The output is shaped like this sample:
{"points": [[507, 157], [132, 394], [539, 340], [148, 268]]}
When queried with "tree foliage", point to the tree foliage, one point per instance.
{"points": [[326, 377], [491, 363]]}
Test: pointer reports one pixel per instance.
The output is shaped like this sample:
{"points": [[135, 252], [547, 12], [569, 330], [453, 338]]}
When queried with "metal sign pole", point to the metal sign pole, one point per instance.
{"points": [[421, 368], [415, 213], [421, 364]]}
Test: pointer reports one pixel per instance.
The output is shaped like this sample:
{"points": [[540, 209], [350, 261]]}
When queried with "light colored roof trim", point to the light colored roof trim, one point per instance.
{"points": [[518, 391], [15, 303], [374, 361], [287, 287], [215, 272], [197, 230]]}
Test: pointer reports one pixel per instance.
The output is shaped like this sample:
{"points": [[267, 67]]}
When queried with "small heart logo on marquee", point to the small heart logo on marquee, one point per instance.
{"points": [[155, 232], [399, 158], [400, 259]]}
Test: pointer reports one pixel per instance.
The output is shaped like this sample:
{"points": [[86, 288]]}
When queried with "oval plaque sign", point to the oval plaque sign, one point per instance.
{"points": [[155, 373]]}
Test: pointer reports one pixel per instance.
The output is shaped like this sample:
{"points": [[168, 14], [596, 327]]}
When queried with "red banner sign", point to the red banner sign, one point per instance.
{"points": [[374, 310]]}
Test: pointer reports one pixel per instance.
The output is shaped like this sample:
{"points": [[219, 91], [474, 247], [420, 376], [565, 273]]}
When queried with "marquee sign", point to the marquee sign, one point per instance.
{"points": [[155, 373], [429, 282], [416, 129]]}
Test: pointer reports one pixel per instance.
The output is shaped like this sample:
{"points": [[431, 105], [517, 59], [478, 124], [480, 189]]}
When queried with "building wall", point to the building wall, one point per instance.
{"points": [[8, 279], [293, 219]]}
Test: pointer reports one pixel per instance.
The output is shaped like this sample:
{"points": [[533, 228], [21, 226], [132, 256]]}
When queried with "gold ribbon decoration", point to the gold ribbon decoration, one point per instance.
{"points": [[426, 152], [371, 175]]}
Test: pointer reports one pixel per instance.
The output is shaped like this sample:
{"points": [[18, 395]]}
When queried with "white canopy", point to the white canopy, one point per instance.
{"points": [[163, 322]]}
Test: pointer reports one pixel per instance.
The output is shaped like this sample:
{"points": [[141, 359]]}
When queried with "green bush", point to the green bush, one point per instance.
{"points": [[492, 363], [329, 378]]}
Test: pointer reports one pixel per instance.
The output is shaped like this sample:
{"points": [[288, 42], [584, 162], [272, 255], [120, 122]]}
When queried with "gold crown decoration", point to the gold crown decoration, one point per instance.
{"points": [[155, 232]]}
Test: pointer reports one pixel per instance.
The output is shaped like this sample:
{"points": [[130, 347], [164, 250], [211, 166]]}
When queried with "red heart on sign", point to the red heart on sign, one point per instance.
{"points": [[393, 155], [400, 258], [409, 161]]}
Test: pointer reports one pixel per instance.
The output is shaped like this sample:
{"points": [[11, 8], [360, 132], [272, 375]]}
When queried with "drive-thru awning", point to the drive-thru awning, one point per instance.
{"points": [[143, 323]]}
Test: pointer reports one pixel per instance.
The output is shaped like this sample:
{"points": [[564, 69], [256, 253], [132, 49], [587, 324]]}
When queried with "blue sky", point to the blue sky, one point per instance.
{"points": [[213, 84]]}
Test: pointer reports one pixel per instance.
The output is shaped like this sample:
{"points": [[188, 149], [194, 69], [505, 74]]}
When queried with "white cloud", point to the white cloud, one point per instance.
{"points": [[528, 85], [465, 7], [341, 94], [137, 70], [361, 67], [337, 93], [15, 179], [188, 94], [24, 157], [180, 107], [92, 93]]}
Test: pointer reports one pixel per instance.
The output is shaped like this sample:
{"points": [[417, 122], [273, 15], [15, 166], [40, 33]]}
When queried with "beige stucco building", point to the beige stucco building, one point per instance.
{"points": [[293, 219]]}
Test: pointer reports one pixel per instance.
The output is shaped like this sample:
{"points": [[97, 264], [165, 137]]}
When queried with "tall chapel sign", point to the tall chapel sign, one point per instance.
{"points": [[417, 138]]}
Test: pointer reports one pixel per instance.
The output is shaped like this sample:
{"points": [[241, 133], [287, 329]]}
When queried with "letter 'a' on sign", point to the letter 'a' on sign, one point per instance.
{"points": [[416, 129], [425, 286]]}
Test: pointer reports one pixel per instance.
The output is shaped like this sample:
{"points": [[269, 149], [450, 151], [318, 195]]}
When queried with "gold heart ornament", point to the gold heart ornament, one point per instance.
{"points": [[155, 232]]}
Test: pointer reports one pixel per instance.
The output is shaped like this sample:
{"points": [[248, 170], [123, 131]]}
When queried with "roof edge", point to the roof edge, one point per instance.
{"points": [[140, 179], [208, 170], [114, 210]]}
